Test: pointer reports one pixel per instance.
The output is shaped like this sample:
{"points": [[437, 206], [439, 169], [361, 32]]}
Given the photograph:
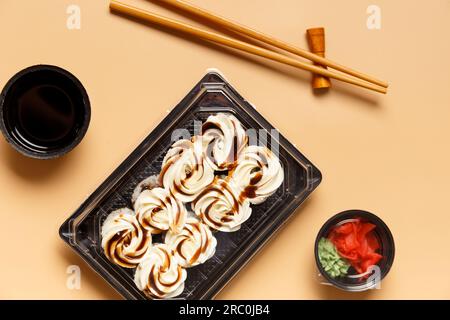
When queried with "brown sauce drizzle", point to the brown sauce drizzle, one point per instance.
{"points": [[205, 244], [166, 263], [207, 216], [152, 283], [156, 210], [210, 125], [167, 165], [220, 188], [205, 191], [210, 152], [256, 178], [188, 175], [142, 245], [113, 249], [226, 219], [248, 193], [195, 256], [263, 158], [178, 249], [178, 189]]}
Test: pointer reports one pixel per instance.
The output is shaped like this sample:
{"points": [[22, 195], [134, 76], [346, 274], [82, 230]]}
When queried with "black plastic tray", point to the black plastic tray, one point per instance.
{"points": [[211, 95]]}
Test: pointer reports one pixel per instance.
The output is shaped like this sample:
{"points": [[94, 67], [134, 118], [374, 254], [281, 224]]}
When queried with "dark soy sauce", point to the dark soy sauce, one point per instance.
{"points": [[45, 115], [44, 111]]}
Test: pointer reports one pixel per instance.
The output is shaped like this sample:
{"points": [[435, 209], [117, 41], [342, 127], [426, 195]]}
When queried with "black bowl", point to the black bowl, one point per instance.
{"points": [[387, 250], [44, 111]]}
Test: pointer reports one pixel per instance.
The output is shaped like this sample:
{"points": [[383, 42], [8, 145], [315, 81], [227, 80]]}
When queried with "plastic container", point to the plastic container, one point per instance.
{"points": [[354, 281], [211, 95]]}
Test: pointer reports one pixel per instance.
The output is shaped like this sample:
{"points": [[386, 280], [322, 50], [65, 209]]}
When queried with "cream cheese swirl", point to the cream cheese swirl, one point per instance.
{"points": [[146, 184], [123, 240], [220, 207], [258, 174], [184, 171], [193, 245], [223, 140], [157, 210], [159, 275]]}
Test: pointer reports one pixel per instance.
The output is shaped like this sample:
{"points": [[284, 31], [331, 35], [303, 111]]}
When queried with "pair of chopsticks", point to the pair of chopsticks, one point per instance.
{"points": [[346, 74]]}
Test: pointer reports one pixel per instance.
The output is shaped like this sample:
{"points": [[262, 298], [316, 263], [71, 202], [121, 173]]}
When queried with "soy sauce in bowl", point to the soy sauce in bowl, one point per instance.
{"points": [[44, 111]]}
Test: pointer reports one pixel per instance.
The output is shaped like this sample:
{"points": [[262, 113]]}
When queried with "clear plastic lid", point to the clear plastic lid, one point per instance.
{"points": [[234, 249]]}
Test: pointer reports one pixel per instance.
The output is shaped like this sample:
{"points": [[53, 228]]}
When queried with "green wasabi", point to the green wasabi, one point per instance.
{"points": [[330, 260]]}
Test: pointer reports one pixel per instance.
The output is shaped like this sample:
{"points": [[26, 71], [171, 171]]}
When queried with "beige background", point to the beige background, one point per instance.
{"points": [[387, 154]]}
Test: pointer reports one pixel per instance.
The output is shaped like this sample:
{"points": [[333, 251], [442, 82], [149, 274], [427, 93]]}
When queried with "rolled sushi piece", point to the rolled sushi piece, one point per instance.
{"points": [[147, 184]]}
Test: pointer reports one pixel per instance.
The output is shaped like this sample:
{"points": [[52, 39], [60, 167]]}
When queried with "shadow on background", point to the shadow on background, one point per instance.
{"points": [[33, 170], [329, 292]]}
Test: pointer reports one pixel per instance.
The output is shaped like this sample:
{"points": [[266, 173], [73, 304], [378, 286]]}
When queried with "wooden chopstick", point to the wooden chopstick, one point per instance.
{"points": [[187, 7], [236, 44]]}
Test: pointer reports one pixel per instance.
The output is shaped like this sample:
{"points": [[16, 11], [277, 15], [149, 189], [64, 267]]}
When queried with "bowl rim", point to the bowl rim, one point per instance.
{"points": [[336, 219], [82, 130]]}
